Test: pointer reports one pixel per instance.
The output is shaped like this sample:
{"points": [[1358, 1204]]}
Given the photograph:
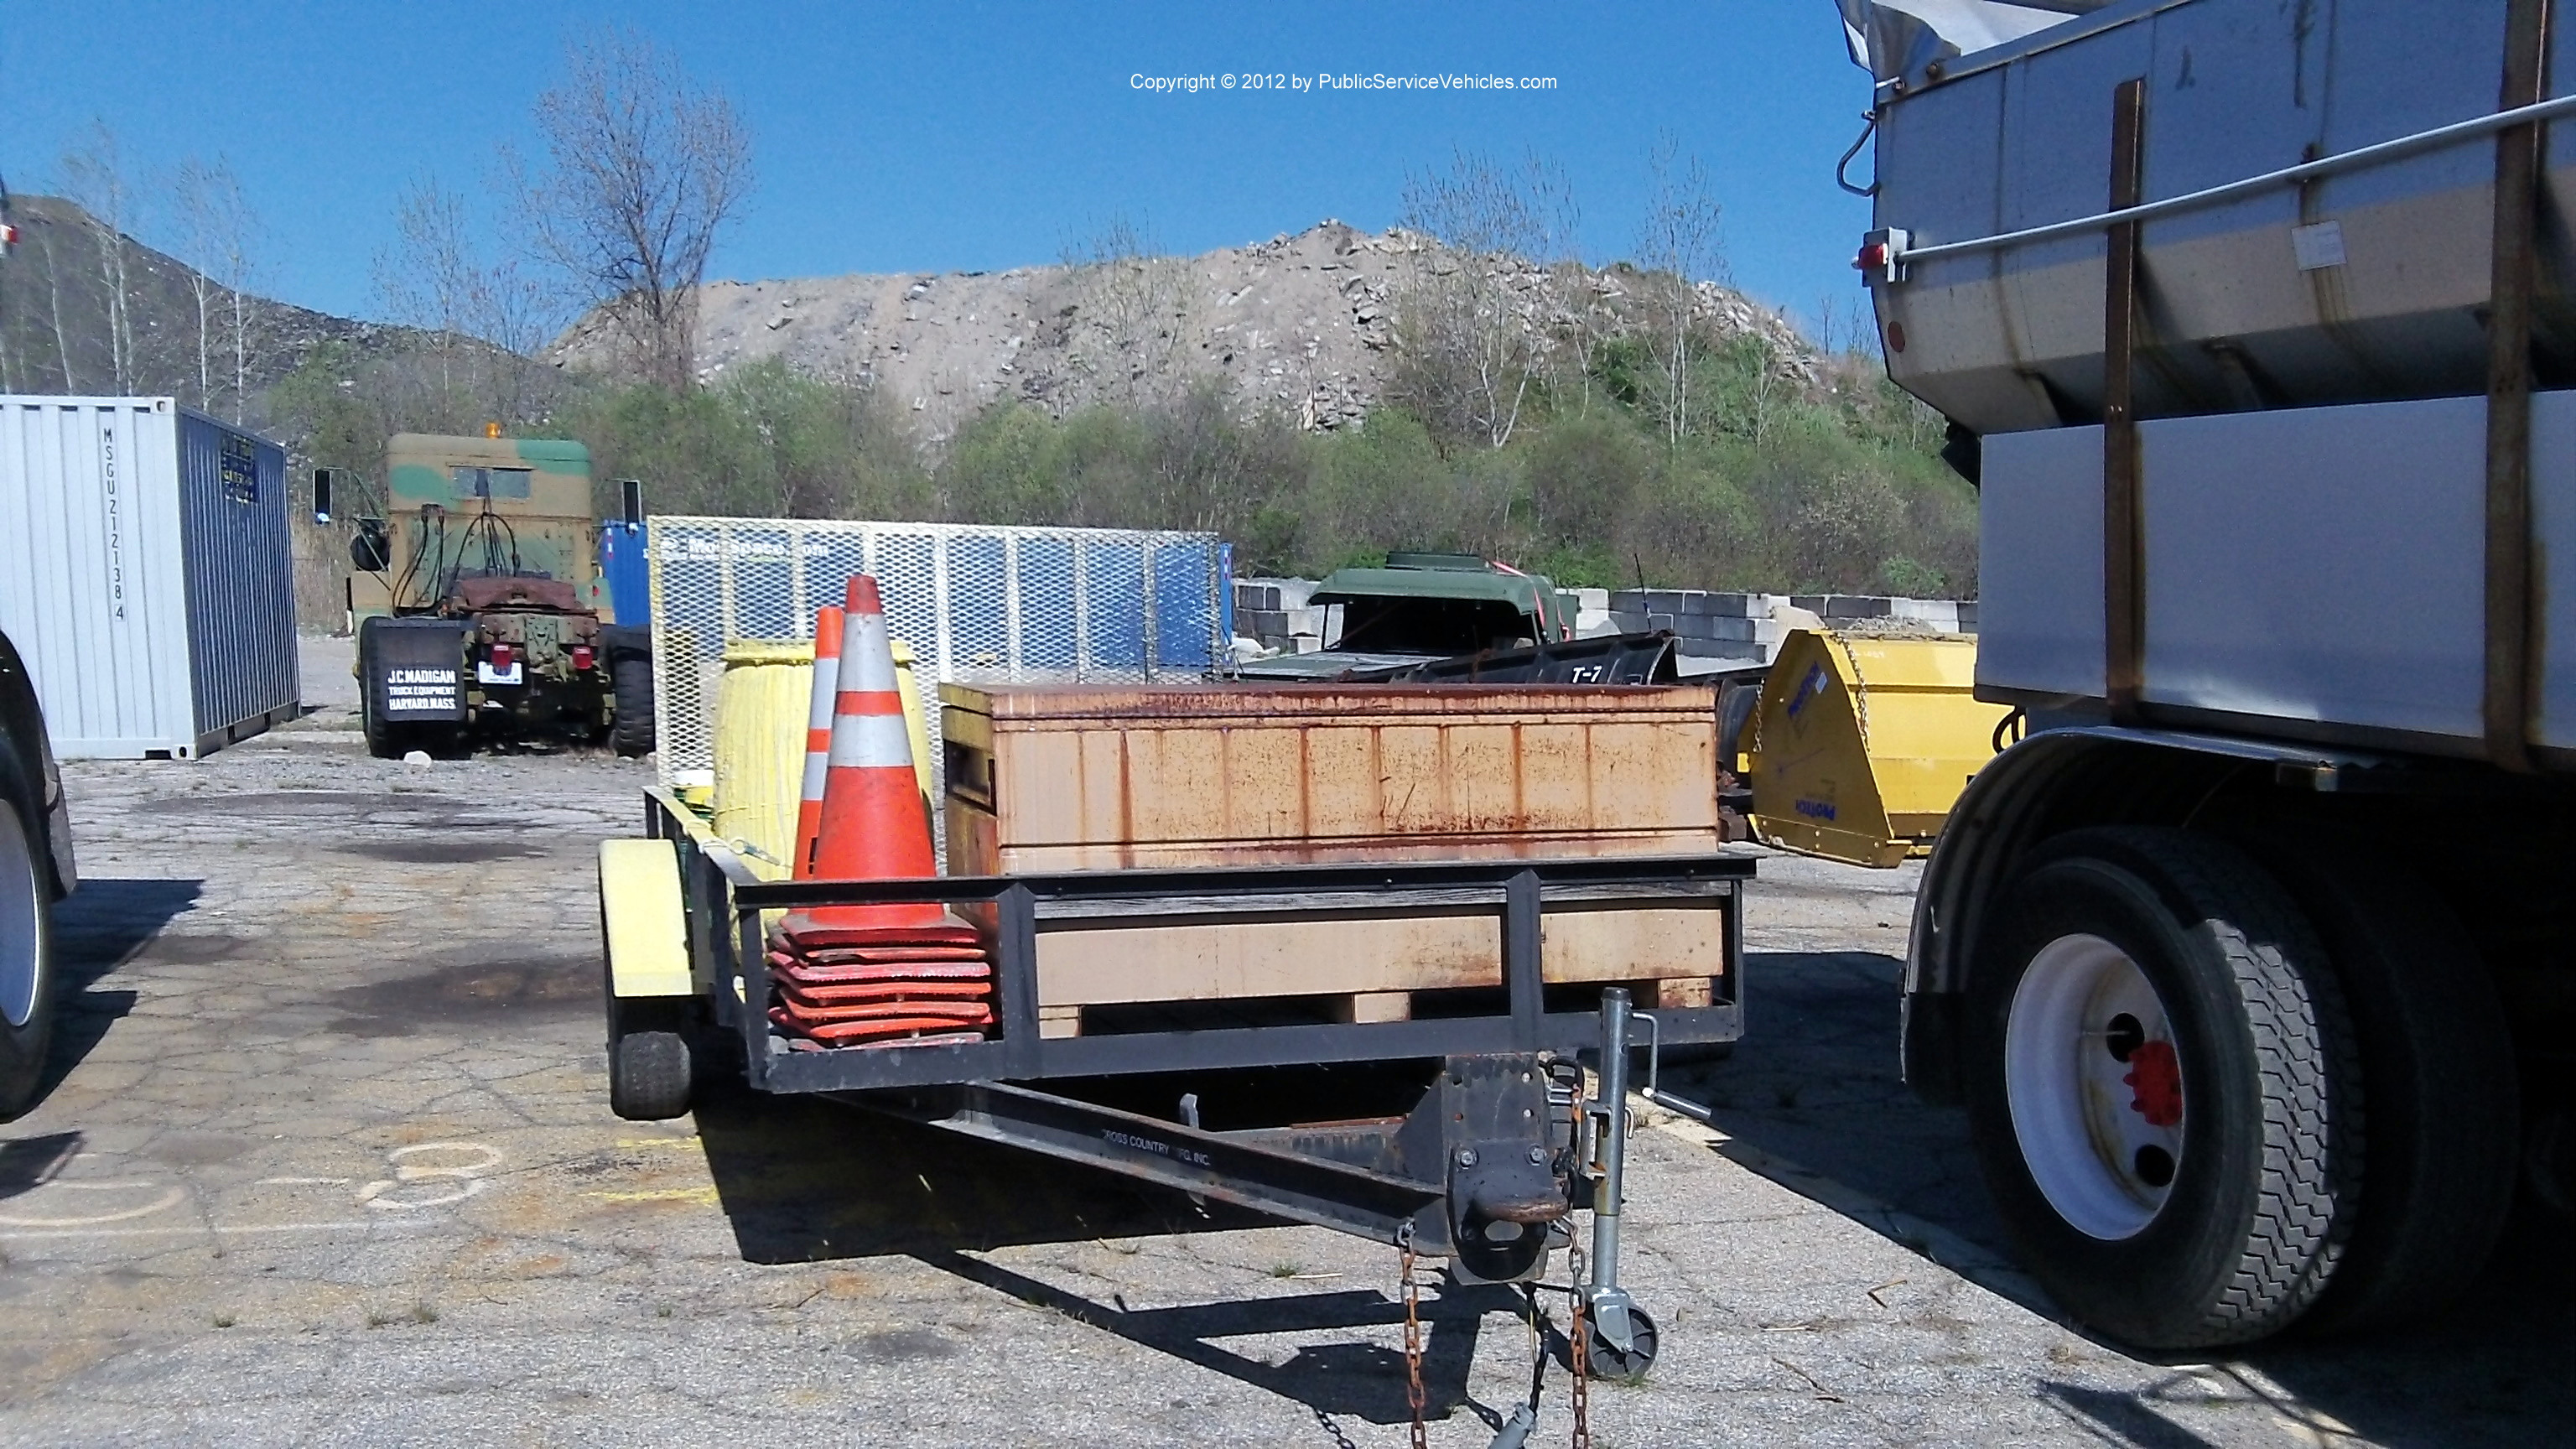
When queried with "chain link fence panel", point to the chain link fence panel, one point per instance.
{"points": [[977, 605]]}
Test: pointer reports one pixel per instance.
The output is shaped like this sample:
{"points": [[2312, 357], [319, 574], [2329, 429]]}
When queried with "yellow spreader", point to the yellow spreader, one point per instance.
{"points": [[1861, 745]]}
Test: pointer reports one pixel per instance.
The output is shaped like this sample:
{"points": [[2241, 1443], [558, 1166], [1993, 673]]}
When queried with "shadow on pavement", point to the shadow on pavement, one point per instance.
{"points": [[1814, 1092], [31, 1162], [100, 927], [802, 1179], [1362, 1380]]}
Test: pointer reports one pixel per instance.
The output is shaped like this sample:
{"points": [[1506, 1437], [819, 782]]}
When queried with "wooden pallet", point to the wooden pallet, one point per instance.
{"points": [[1672, 993]]}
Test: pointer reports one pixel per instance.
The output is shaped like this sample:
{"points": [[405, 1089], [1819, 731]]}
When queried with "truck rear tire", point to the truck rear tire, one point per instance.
{"points": [[2162, 1088], [27, 977], [2437, 1068], [630, 674]]}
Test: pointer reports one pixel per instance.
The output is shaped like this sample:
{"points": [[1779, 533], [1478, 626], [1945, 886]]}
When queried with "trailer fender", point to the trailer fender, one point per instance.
{"points": [[642, 921], [2057, 780]]}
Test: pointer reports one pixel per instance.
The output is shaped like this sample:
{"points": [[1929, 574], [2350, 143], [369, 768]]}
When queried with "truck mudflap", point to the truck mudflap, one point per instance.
{"points": [[413, 670]]}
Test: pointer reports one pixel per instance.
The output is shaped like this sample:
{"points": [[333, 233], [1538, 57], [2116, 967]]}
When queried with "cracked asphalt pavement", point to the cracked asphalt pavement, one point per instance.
{"points": [[327, 1157]]}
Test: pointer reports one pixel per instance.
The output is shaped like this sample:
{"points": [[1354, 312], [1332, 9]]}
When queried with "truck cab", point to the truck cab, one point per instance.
{"points": [[1423, 606]]}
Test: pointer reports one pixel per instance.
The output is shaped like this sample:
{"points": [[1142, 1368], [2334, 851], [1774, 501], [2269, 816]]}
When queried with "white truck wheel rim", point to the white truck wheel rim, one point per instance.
{"points": [[2094, 1086], [21, 927]]}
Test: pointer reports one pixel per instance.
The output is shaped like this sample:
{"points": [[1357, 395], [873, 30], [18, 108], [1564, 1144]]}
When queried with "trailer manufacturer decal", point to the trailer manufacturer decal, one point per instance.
{"points": [[1135, 1143]]}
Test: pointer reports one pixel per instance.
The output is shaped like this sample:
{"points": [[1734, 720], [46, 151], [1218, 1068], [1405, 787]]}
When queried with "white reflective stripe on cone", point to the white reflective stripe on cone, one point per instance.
{"points": [[867, 660], [818, 768], [871, 742], [827, 685]]}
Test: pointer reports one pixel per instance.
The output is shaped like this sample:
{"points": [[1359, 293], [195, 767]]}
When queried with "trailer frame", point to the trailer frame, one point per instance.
{"points": [[1501, 1132]]}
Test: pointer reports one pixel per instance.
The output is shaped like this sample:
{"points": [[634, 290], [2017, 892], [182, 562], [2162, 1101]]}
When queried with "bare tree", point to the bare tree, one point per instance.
{"points": [[54, 298], [1677, 245], [94, 177], [1469, 318], [642, 170], [483, 316], [1134, 308], [219, 239]]}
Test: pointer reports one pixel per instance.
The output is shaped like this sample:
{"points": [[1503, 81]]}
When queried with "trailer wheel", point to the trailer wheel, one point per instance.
{"points": [[649, 1075], [26, 947], [1602, 1361], [2437, 1067], [2162, 1090]]}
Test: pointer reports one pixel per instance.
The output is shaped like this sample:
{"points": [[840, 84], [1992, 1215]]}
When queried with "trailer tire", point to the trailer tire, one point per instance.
{"points": [[2163, 1089], [27, 975], [649, 1075], [2437, 1067]]}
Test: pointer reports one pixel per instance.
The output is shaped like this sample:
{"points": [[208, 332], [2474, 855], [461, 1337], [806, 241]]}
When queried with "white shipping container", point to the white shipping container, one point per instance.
{"points": [[145, 576]]}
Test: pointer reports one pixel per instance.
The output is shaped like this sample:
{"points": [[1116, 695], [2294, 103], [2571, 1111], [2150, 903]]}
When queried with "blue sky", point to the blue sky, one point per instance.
{"points": [[972, 135]]}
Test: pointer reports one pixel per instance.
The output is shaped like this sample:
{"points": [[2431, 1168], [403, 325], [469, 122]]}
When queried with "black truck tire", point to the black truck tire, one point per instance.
{"points": [[2437, 1068], [649, 1075], [384, 741], [630, 674], [27, 959], [2163, 1088]]}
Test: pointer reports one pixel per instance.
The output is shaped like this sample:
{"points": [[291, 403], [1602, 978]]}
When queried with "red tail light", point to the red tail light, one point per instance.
{"points": [[1872, 258], [501, 656], [581, 656]]}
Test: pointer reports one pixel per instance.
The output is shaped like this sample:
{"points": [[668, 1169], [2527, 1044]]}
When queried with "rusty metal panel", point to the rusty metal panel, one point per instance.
{"points": [[1093, 778]]}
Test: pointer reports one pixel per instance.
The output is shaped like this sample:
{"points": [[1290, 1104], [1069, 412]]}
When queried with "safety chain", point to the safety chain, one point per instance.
{"points": [[1413, 1395], [1578, 1327]]}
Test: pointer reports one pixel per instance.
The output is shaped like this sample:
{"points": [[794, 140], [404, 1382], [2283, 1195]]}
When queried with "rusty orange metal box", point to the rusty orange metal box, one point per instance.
{"points": [[1056, 778]]}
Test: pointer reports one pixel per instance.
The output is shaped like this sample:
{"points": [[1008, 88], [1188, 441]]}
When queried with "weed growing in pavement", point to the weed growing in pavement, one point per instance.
{"points": [[1286, 1270], [223, 1320], [423, 1313]]}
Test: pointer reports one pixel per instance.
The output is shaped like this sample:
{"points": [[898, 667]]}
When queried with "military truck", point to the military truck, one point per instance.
{"points": [[478, 601], [1422, 606]]}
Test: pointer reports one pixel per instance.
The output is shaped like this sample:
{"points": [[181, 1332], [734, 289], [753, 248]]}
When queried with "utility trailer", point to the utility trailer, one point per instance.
{"points": [[2253, 962], [1463, 1135]]}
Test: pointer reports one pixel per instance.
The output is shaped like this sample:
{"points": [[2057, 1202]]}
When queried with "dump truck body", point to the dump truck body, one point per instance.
{"points": [[2243, 306]]}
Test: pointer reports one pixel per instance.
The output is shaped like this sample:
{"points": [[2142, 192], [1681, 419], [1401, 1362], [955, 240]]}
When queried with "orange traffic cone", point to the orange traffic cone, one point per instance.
{"points": [[818, 735], [872, 826]]}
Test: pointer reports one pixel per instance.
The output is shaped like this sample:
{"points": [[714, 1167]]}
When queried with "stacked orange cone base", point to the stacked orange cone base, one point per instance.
{"points": [[907, 987], [874, 976]]}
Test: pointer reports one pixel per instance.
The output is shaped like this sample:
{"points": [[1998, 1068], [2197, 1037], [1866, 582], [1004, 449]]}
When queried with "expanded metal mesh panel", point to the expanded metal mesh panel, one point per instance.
{"points": [[979, 605]]}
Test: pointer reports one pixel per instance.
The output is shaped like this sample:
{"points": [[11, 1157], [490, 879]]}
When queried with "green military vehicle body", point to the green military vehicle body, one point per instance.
{"points": [[479, 603], [1423, 606]]}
